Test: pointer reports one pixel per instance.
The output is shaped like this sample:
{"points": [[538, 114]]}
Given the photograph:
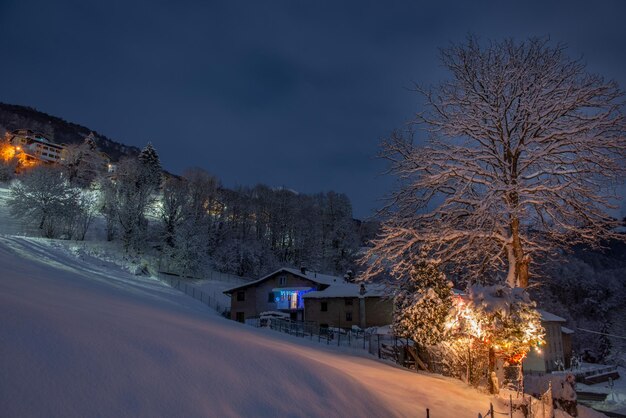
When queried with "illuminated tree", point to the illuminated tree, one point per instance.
{"points": [[522, 148], [502, 318]]}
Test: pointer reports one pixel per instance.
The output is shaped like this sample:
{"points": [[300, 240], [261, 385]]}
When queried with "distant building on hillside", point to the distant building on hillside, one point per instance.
{"points": [[35, 146]]}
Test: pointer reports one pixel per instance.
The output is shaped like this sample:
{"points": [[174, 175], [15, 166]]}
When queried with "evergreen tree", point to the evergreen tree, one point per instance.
{"points": [[149, 160], [422, 305]]}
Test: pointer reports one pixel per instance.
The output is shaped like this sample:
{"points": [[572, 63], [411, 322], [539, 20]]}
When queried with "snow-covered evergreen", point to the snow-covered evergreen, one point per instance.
{"points": [[422, 305]]}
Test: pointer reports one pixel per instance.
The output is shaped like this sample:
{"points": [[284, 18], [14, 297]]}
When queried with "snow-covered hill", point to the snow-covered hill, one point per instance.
{"points": [[80, 337]]}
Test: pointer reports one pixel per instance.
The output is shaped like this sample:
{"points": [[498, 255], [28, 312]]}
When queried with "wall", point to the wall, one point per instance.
{"points": [[551, 351], [377, 312], [335, 316]]}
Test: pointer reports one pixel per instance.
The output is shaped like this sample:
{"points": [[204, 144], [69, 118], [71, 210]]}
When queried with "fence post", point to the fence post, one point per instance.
{"points": [[490, 409], [427, 413]]}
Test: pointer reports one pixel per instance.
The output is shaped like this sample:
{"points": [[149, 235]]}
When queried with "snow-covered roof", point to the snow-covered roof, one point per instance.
{"points": [[566, 330], [346, 290], [549, 317], [309, 275]]}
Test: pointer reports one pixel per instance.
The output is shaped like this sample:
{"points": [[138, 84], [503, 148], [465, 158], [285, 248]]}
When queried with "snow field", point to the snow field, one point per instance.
{"points": [[85, 339]]}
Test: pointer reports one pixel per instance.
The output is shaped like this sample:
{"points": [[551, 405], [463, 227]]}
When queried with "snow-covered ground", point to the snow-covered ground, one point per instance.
{"points": [[86, 338], [616, 393], [80, 335]]}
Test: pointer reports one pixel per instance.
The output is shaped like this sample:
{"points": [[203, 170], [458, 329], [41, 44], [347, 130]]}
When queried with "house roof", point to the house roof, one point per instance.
{"points": [[549, 317], [566, 330], [346, 290], [309, 275]]}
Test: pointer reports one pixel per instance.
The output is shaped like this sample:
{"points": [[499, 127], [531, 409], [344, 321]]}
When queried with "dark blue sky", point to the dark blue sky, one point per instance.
{"points": [[294, 94]]}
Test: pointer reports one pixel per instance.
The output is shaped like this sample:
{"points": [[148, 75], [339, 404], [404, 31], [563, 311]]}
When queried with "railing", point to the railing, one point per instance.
{"points": [[209, 275], [309, 329], [197, 294]]}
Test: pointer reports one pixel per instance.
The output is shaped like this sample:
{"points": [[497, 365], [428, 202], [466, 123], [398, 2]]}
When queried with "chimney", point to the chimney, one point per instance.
{"points": [[362, 289], [302, 269]]}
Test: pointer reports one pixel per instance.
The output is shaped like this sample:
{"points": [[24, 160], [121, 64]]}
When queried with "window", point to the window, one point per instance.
{"points": [[270, 297], [348, 301], [240, 317], [324, 306], [241, 296], [282, 280], [348, 316]]}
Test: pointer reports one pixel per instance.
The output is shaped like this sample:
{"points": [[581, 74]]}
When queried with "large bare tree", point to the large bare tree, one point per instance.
{"points": [[516, 155]]}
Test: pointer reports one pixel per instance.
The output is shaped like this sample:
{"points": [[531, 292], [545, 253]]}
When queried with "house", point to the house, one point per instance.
{"points": [[35, 146], [555, 352], [343, 305], [282, 291]]}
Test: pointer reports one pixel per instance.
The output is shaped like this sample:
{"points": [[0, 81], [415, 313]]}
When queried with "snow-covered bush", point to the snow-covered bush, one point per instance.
{"points": [[422, 304]]}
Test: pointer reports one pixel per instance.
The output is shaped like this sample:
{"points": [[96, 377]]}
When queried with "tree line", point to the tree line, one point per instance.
{"points": [[191, 222]]}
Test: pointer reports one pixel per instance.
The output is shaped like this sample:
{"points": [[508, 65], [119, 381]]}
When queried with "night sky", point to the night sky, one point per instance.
{"points": [[293, 94]]}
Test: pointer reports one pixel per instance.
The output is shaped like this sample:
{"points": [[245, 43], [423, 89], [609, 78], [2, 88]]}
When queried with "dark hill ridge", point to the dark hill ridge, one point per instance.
{"points": [[60, 131]]}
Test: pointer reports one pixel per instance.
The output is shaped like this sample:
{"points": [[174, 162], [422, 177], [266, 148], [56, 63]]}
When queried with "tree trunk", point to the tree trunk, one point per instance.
{"points": [[518, 261], [491, 369]]}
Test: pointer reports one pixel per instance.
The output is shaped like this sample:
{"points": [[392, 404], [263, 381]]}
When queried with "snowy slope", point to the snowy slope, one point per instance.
{"points": [[80, 338]]}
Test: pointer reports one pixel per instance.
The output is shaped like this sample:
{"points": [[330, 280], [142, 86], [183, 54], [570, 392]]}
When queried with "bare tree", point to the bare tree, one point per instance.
{"points": [[523, 149], [43, 197]]}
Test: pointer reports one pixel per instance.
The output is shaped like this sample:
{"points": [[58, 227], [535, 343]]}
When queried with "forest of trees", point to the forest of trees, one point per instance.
{"points": [[191, 222]]}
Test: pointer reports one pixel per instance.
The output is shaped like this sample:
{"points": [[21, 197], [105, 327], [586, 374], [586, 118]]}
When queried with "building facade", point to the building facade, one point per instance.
{"points": [[345, 305], [282, 290], [552, 355], [35, 146]]}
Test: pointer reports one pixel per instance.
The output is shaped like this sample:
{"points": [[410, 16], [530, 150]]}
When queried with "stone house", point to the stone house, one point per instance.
{"points": [[282, 291], [343, 305]]}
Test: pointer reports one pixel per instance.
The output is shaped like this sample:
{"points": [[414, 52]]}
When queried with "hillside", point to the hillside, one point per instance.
{"points": [[58, 130], [80, 337]]}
